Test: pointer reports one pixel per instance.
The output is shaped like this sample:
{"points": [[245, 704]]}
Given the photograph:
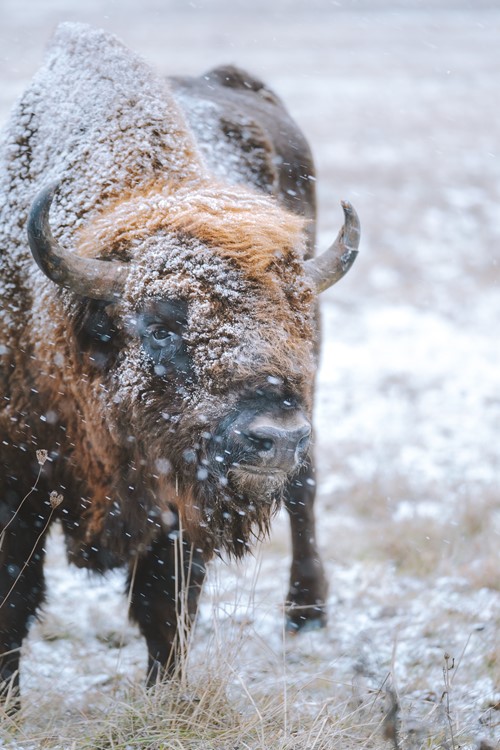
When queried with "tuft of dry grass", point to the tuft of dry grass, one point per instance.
{"points": [[211, 705], [215, 710]]}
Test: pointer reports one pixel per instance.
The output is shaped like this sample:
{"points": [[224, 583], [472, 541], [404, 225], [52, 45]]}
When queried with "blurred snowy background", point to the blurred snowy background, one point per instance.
{"points": [[399, 101]]}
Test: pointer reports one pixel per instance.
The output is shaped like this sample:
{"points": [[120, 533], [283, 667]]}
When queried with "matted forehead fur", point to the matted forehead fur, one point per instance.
{"points": [[235, 256]]}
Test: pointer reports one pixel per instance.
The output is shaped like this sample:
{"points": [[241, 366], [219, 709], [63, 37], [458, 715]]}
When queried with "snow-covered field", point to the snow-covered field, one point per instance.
{"points": [[400, 103]]}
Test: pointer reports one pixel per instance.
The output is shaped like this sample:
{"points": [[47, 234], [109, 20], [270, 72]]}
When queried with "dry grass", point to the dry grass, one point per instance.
{"points": [[213, 717], [213, 708], [242, 695]]}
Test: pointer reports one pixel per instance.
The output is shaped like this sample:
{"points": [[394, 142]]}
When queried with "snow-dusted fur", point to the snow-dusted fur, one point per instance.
{"points": [[130, 447]]}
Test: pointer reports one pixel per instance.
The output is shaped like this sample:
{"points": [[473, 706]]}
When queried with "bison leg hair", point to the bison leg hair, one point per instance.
{"points": [[165, 585], [306, 601], [22, 589]]}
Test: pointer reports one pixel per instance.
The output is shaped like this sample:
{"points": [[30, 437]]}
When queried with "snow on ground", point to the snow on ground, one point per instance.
{"points": [[399, 101]]}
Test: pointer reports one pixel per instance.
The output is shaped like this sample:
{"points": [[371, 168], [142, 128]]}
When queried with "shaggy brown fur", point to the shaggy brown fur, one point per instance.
{"points": [[244, 226], [147, 405]]}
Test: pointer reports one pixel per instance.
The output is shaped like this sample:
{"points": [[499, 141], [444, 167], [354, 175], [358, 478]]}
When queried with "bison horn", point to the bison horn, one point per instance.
{"points": [[89, 277], [328, 268]]}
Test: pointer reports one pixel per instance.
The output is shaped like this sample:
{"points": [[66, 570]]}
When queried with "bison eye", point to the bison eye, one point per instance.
{"points": [[159, 334], [161, 325], [159, 337], [166, 348]]}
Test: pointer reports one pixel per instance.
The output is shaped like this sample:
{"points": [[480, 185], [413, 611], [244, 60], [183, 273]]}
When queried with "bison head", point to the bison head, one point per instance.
{"points": [[198, 319]]}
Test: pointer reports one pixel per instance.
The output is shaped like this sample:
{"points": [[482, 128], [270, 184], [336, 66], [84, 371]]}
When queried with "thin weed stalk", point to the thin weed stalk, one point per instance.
{"points": [[55, 501], [447, 668], [41, 458]]}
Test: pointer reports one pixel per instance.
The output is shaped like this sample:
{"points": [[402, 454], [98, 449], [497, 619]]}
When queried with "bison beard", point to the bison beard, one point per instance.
{"points": [[208, 481], [226, 506], [158, 335]]}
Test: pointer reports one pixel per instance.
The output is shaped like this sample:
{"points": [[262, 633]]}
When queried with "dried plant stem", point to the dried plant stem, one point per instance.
{"points": [[447, 686], [457, 665], [132, 581], [9, 592], [285, 686], [181, 601], [2, 535], [129, 602]]}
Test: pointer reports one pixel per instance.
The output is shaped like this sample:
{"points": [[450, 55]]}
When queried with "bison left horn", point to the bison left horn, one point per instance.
{"points": [[89, 277], [328, 268]]}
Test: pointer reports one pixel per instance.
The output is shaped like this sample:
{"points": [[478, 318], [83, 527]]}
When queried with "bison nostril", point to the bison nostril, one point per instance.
{"points": [[276, 445], [303, 443], [262, 443], [266, 444]]}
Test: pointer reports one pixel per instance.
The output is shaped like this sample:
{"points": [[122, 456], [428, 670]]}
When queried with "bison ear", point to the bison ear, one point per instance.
{"points": [[96, 335]]}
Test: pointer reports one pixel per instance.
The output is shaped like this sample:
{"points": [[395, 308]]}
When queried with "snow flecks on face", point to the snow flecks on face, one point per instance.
{"points": [[133, 373], [234, 256], [227, 329]]}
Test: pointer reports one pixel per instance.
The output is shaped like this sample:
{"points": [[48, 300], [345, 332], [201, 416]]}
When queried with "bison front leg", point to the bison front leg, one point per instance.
{"points": [[22, 589], [306, 601], [165, 585]]}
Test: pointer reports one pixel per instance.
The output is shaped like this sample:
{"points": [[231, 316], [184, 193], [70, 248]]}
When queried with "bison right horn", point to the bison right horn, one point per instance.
{"points": [[328, 268], [89, 277]]}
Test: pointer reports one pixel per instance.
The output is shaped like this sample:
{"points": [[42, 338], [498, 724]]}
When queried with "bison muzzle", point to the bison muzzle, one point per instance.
{"points": [[159, 333]]}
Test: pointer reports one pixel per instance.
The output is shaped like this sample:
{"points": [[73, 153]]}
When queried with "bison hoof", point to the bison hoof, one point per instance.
{"points": [[305, 619]]}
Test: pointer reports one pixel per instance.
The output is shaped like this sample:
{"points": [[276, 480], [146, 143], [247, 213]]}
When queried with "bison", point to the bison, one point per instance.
{"points": [[159, 333]]}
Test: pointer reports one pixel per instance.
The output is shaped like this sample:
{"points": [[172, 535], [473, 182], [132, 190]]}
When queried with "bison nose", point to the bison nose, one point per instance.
{"points": [[279, 446]]}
